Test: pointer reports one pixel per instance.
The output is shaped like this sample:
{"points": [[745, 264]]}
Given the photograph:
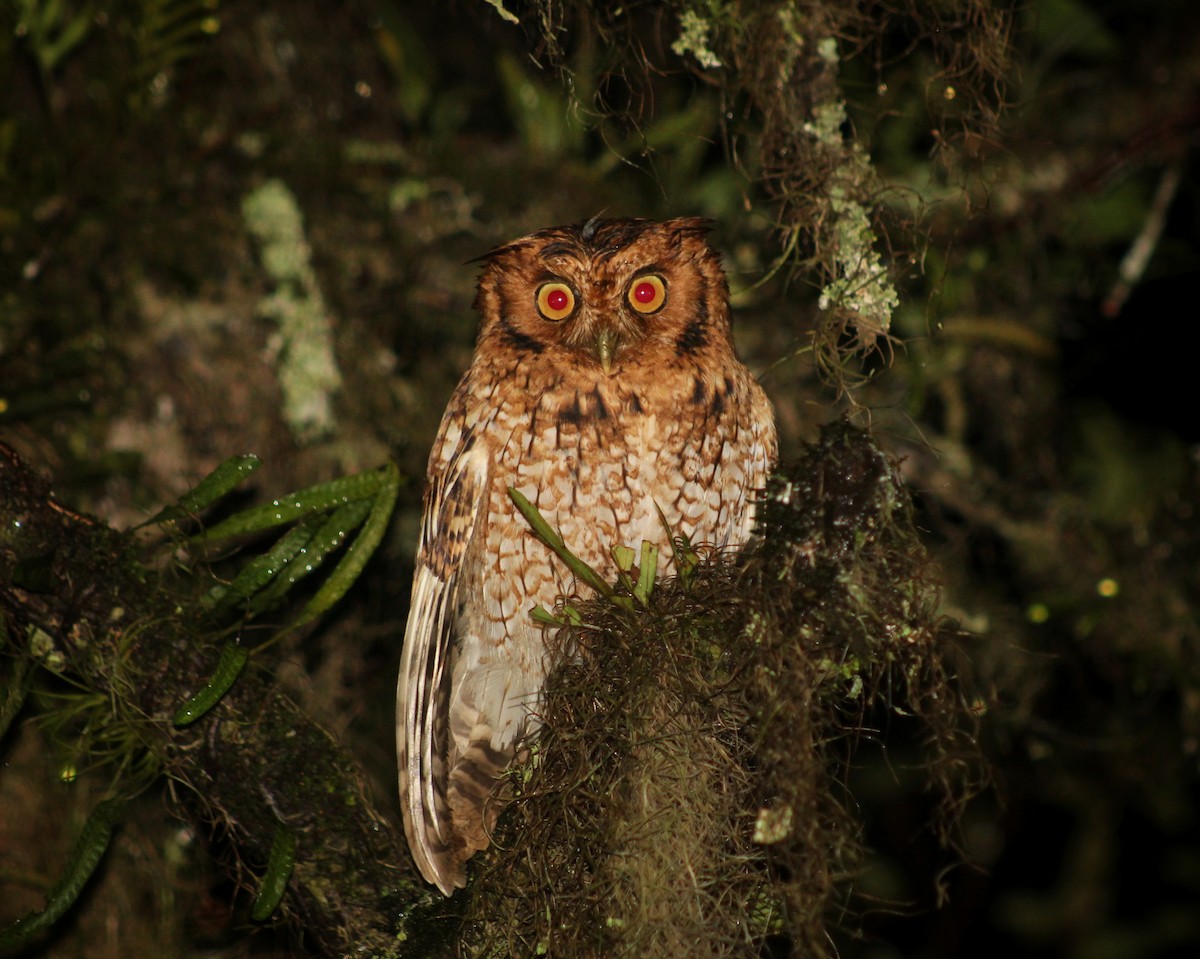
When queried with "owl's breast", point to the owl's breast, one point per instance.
{"points": [[607, 462]]}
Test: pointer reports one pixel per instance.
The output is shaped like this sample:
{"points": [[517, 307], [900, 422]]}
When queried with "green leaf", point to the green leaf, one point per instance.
{"points": [[386, 481], [85, 857], [229, 668], [687, 560], [70, 36], [279, 870], [624, 557], [312, 499], [328, 537], [568, 616], [215, 485], [647, 569], [541, 529], [261, 570]]}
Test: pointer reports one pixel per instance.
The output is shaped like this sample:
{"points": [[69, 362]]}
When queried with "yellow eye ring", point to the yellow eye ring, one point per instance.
{"points": [[647, 294], [555, 301]]}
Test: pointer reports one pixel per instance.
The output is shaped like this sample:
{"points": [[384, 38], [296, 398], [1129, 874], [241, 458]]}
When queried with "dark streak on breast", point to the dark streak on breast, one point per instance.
{"points": [[517, 339], [533, 430], [600, 411], [587, 408], [635, 405], [699, 393], [571, 414], [695, 334]]}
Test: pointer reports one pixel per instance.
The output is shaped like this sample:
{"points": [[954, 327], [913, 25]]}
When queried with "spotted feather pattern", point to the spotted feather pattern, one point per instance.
{"points": [[674, 423]]}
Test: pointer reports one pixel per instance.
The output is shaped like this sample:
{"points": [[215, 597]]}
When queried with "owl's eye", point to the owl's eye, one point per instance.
{"points": [[555, 301], [647, 294]]}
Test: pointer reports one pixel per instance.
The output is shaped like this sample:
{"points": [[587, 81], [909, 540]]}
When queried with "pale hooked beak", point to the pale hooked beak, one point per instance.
{"points": [[607, 342]]}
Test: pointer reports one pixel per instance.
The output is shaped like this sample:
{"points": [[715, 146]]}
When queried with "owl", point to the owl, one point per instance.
{"points": [[605, 388]]}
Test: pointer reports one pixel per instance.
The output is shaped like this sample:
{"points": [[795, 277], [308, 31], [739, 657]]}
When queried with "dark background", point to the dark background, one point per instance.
{"points": [[1046, 419]]}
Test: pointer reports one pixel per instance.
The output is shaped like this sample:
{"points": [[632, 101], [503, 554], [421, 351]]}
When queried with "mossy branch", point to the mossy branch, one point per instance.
{"points": [[242, 767], [684, 797], [683, 800]]}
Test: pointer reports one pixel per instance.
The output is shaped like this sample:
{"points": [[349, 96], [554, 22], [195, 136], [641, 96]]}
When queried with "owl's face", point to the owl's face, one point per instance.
{"points": [[610, 295]]}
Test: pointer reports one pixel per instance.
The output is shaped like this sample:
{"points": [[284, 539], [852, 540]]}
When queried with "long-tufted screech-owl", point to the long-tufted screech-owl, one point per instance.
{"points": [[605, 388]]}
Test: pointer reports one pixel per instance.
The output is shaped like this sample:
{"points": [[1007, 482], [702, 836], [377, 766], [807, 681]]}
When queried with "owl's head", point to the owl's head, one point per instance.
{"points": [[610, 293]]}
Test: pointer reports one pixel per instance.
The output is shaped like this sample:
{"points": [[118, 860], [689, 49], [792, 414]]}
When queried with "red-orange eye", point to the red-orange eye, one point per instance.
{"points": [[647, 294], [555, 301]]}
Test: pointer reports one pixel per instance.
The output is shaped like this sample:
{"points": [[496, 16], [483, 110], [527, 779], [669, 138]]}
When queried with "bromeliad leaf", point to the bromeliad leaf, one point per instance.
{"points": [[229, 668], [261, 570], [543, 531], [647, 569], [85, 857], [312, 499], [687, 560], [215, 485], [329, 536], [387, 485], [279, 870], [567, 616]]}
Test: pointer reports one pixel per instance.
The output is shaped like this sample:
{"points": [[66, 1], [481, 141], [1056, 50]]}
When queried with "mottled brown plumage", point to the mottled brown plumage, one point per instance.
{"points": [[605, 388]]}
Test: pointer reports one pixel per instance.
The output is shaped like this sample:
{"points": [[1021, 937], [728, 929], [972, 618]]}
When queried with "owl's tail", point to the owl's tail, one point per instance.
{"points": [[471, 791], [448, 763], [448, 797]]}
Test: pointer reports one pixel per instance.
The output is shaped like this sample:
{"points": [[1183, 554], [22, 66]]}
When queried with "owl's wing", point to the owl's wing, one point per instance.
{"points": [[452, 507]]}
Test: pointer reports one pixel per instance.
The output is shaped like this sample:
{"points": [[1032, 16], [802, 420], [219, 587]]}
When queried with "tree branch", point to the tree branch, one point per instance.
{"points": [[100, 617]]}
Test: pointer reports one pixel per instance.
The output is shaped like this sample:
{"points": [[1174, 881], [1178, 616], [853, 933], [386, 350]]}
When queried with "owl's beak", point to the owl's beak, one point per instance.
{"points": [[607, 342]]}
